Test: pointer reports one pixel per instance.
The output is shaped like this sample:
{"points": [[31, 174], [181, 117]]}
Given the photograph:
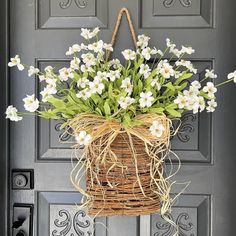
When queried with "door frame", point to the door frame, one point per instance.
{"points": [[4, 124]]}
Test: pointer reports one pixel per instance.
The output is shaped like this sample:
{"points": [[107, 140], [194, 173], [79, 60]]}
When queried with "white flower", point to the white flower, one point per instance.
{"points": [[169, 44], [167, 70], [186, 64], [146, 99], [74, 64], [210, 89], [33, 71], [144, 70], [82, 82], [210, 74], [155, 83], [31, 103], [129, 54], [46, 94], [65, 74], [42, 78], [86, 33], [188, 50], [157, 129], [232, 75], [101, 76], [202, 103], [11, 113], [160, 53], [113, 75], [176, 52], [192, 92], [147, 52], [84, 94], [73, 49], [124, 102], [83, 138], [96, 46], [126, 84], [108, 47], [96, 86], [212, 104], [15, 61], [196, 84], [193, 104], [89, 59], [142, 41], [178, 74], [95, 32], [51, 89], [85, 68], [48, 69], [115, 63], [181, 101]]}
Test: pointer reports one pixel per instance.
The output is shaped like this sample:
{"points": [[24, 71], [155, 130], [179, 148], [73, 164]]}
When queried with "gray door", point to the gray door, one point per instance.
{"points": [[41, 31]]}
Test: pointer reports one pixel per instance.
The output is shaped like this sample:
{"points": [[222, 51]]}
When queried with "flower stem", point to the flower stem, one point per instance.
{"points": [[225, 82]]}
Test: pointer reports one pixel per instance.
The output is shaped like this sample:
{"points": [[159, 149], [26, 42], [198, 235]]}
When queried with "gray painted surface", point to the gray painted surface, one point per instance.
{"points": [[3, 122], [206, 148]]}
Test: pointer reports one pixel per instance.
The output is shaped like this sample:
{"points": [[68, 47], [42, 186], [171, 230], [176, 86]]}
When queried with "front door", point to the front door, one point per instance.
{"points": [[40, 32]]}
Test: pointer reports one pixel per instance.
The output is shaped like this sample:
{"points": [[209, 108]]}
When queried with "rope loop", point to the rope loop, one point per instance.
{"points": [[117, 26]]}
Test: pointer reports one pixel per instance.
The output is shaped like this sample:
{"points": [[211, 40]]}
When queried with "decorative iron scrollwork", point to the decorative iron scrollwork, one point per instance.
{"points": [[63, 136], [78, 224], [183, 222], [67, 223], [170, 3], [67, 3], [81, 226], [185, 127]]}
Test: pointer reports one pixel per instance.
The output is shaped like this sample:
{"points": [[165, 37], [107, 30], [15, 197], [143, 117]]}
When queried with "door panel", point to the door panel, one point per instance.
{"points": [[42, 30]]}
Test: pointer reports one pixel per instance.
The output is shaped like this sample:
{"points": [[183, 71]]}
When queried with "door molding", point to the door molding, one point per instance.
{"points": [[4, 172]]}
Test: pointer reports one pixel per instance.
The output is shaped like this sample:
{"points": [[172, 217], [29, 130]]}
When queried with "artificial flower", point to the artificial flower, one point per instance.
{"points": [[232, 75], [144, 70], [11, 113], [129, 54], [15, 61], [33, 71], [210, 74], [83, 138], [126, 84], [146, 99], [124, 102], [210, 89], [31, 103], [212, 104], [65, 74], [157, 129]]}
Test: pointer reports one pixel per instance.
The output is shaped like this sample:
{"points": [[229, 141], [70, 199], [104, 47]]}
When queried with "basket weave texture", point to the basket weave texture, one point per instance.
{"points": [[115, 187]]}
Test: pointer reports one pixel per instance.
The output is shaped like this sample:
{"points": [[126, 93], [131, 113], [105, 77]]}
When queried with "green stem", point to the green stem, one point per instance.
{"points": [[225, 82]]}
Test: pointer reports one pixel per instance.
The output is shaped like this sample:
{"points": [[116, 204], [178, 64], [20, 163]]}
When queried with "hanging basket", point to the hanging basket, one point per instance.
{"points": [[124, 167], [116, 190]]}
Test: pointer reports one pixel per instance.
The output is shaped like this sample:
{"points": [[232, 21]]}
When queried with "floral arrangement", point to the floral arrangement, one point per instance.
{"points": [[107, 88], [100, 98]]}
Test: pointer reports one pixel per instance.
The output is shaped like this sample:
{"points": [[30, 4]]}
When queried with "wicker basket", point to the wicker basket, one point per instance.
{"points": [[125, 196]]}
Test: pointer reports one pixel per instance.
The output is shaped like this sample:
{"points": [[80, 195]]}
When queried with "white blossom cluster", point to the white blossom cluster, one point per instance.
{"points": [[146, 82]]}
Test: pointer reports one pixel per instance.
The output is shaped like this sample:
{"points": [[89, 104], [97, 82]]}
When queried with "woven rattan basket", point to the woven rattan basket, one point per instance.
{"points": [[125, 196]]}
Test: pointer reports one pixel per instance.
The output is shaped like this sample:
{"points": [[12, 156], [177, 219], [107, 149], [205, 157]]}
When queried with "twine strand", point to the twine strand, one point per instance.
{"points": [[117, 26]]}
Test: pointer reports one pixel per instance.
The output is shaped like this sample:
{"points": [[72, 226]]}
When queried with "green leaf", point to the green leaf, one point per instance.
{"points": [[126, 119], [157, 110], [183, 77], [173, 112], [170, 86], [140, 86], [107, 109]]}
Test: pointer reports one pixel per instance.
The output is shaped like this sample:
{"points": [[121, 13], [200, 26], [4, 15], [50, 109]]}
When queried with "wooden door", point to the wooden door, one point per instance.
{"points": [[41, 31]]}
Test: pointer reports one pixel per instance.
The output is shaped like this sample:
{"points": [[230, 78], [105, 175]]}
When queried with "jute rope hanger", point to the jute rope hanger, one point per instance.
{"points": [[117, 26]]}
